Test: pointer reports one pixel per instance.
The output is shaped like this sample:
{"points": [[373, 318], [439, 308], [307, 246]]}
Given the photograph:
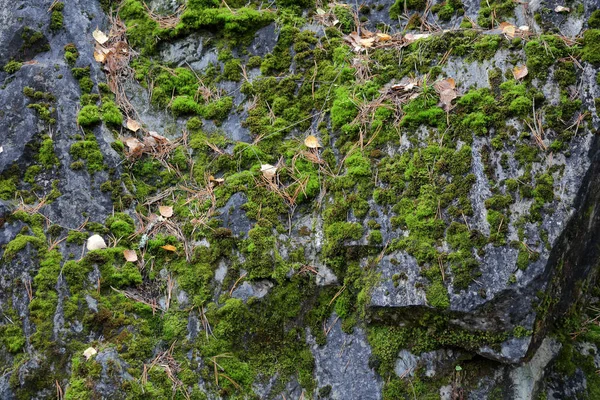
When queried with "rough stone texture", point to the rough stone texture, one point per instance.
{"points": [[342, 363], [490, 304]]}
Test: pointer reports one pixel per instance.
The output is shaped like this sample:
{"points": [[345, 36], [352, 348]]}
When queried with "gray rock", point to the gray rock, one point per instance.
{"points": [[257, 289], [342, 363]]}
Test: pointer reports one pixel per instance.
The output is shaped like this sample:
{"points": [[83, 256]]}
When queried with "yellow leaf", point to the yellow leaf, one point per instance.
{"points": [[508, 29], [520, 72], [169, 247], [130, 255], [166, 211], [133, 125], [99, 56], [216, 180], [312, 142], [100, 36], [384, 37]]}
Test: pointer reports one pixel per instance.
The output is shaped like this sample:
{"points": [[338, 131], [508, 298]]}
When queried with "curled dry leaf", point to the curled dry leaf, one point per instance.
{"points": [[95, 242], [133, 144], [406, 84], [130, 255], [100, 36], [520, 71], [269, 171], [99, 56], [159, 138], [133, 125], [447, 91], [166, 211], [89, 352], [411, 37], [560, 9], [215, 180], [312, 142], [508, 29], [169, 247], [384, 37]]}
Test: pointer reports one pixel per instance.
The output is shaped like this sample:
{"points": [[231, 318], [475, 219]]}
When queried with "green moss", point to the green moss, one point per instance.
{"points": [[594, 20], [437, 295], [88, 116], [20, 242], [71, 54], [88, 150], [397, 9], [12, 66], [46, 156], [591, 46], [56, 18], [12, 337], [76, 237], [111, 113]]}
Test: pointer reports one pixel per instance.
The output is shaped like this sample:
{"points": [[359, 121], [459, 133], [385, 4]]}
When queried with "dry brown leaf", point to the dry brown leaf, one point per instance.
{"points": [[169, 247], [149, 142], [367, 43], [312, 142], [130, 255], [166, 211], [508, 29], [99, 56], [384, 37], [216, 180], [133, 125], [447, 91], [100, 36], [134, 145], [159, 138], [520, 72], [560, 9], [269, 171]]}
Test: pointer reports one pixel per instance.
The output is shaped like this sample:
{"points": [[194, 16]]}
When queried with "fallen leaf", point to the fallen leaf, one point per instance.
{"points": [[524, 28], [158, 137], [320, 11], [149, 141], [95, 242], [133, 125], [99, 56], [133, 144], [269, 171], [520, 72], [312, 142], [384, 37], [447, 90], [406, 84], [100, 36], [367, 43], [560, 9], [169, 247], [89, 352], [508, 29], [130, 255], [411, 37], [216, 180], [166, 211]]}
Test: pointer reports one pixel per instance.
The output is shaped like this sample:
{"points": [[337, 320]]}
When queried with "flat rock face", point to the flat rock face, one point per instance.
{"points": [[343, 364]]}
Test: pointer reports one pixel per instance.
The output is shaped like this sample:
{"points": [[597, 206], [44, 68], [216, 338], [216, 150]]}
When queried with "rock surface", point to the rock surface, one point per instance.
{"points": [[363, 269]]}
